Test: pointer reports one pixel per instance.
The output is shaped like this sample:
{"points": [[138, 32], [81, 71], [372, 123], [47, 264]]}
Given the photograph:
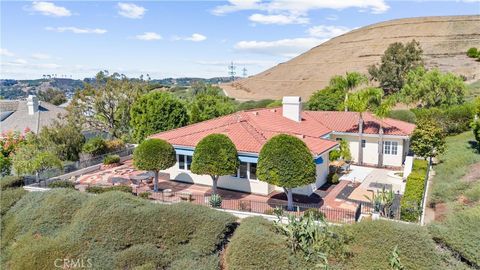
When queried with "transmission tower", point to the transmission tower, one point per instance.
{"points": [[244, 72], [231, 71]]}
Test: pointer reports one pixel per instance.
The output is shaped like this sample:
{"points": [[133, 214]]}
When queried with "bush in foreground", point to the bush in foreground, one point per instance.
{"points": [[98, 190], [412, 198], [460, 233], [11, 182], [9, 197], [61, 184], [112, 230]]}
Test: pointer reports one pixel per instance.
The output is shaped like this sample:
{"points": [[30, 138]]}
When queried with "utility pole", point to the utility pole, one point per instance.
{"points": [[244, 72], [231, 71]]}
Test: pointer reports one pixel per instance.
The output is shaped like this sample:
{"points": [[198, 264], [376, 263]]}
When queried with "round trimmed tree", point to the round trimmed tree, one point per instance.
{"points": [[215, 155], [154, 155], [286, 161]]}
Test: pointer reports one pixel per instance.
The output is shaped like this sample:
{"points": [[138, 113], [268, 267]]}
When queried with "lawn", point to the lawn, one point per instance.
{"points": [[112, 230], [454, 164]]}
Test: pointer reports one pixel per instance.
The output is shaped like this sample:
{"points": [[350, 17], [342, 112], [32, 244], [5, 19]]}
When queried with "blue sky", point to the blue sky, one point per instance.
{"points": [[183, 38]]}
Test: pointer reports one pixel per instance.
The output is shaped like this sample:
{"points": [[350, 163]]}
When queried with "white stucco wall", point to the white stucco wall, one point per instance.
{"points": [[370, 151]]}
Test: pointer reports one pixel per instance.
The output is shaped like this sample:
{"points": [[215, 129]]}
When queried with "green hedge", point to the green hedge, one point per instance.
{"points": [[98, 190], [111, 159], [453, 119], [373, 242], [9, 197], [460, 232], [11, 182], [403, 115], [412, 198], [112, 230], [61, 184]]}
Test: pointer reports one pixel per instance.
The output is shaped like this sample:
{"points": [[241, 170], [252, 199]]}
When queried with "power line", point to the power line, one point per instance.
{"points": [[231, 71]]}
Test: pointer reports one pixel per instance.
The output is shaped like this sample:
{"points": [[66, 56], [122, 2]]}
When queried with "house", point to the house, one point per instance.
{"points": [[18, 115], [320, 130]]}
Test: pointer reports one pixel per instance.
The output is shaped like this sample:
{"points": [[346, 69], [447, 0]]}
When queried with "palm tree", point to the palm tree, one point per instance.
{"points": [[381, 112], [361, 102], [348, 83]]}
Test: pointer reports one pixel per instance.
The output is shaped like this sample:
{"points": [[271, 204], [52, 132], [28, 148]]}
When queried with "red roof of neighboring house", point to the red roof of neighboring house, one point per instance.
{"points": [[249, 130]]}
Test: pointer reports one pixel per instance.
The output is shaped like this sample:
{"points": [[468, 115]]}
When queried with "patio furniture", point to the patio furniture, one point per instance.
{"points": [[186, 196], [167, 192]]}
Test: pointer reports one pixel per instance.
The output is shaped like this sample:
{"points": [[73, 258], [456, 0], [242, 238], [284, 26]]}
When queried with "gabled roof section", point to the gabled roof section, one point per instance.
{"points": [[348, 122]]}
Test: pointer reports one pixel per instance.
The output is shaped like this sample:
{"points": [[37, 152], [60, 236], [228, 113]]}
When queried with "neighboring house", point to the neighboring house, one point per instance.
{"points": [[18, 115], [250, 130]]}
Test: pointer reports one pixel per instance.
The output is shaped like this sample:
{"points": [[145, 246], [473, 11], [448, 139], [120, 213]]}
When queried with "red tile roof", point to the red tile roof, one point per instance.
{"points": [[249, 130]]}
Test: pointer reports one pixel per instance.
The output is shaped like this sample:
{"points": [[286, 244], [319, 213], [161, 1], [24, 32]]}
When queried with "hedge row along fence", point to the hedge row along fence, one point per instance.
{"points": [[412, 198]]}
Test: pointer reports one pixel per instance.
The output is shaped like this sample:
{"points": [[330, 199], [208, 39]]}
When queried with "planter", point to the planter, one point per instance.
{"points": [[375, 216]]}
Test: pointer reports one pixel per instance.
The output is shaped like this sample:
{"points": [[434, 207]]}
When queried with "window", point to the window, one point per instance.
{"points": [[189, 162], [184, 162], [181, 162], [363, 143], [338, 139], [243, 170], [390, 148], [253, 171]]}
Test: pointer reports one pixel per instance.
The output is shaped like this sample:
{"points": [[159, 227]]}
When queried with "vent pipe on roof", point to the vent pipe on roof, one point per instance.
{"points": [[32, 104], [292, 108]]}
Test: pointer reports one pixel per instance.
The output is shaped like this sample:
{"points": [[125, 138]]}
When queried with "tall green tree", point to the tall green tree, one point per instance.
{"points": [[428, 139], [395, 63], [382, 111], [54, 96], [215, 155], [286, 161], [326, 99], [206, 106], [154, 155], [348, 83], [63, 138], [104, 105], [360, 102], [433, 88], [30, 159], [155, 112]]}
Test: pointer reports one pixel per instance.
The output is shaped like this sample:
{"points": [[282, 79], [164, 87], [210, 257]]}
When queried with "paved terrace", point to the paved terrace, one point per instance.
{"points": [[175, 191]]}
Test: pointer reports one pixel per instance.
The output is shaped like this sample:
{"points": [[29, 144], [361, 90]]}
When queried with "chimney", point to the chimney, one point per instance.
{"points": [[32, 104], [292, 108]]}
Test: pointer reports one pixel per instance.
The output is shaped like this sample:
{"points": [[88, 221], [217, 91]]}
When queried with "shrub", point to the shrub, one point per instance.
{"points": [[473, 52], [453, 119], [5, 166], [98, 190], [414, 189], [316, 214], [373, 241], [215, 201], [11, 182], [116, 230], [61, 184], [9, 198], [403, 115], [145, 195], [333, 178], [95, 146], [114, 145], [111, 159], [460, 233]]}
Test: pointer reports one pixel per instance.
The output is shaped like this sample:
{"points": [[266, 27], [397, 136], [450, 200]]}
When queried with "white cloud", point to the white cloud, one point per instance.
{"points": [[41, 56], [327, 31], [50, 9], [299, 7], [283, 47], [196, 37], [19, 61], [332, 17], [5, 52], [280, 19], [130, 10], [149, 36], [77, 30]]}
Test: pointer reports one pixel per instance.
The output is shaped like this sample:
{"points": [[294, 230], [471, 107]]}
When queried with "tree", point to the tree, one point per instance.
{"points": [[206, 106], [396, 62], [215, 155], [105, 104], [154, 155], [382, 111], [428, 139], [326, 99], [433, 88], [347, 84], [360, 102], [155, 112], [31, 159], [54, 96], [63, 138], [286, 161]]}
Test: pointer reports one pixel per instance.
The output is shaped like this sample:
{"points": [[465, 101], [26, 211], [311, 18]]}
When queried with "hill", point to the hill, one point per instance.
{"points": [[444, 41]]}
